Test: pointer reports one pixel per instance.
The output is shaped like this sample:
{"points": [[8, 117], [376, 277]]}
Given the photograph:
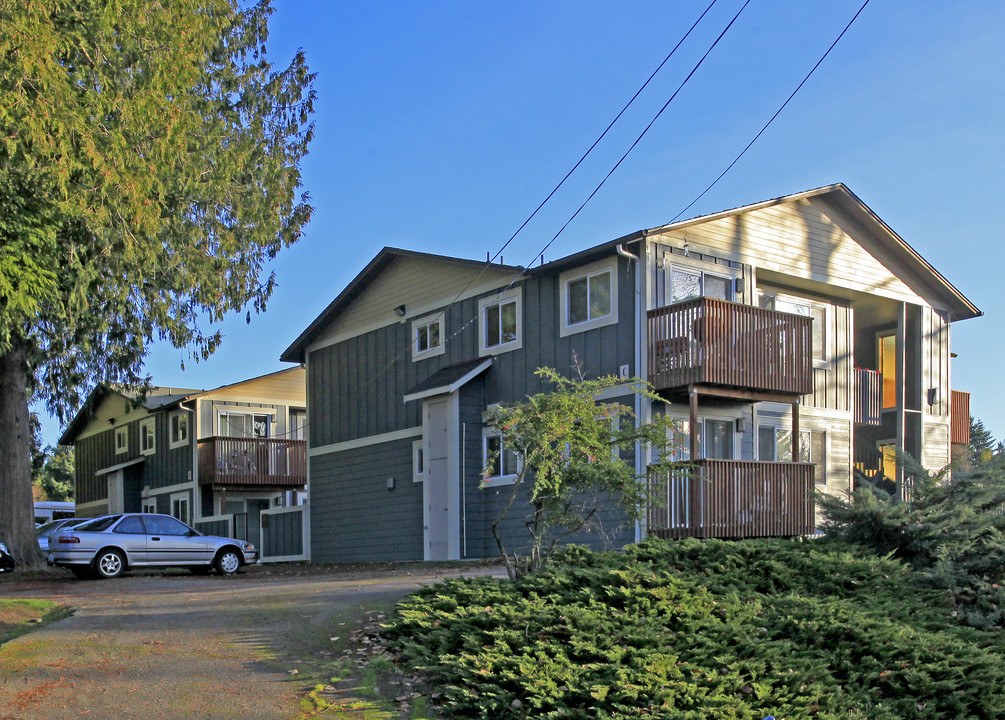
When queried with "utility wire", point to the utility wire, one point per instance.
{"points": [[498, 254], [777, 113]]}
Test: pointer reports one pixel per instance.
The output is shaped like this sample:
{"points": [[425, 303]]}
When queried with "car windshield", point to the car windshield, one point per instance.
{"points": [[98, 524]]}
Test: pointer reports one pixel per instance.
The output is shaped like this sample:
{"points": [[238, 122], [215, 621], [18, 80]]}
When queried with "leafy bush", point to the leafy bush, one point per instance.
{"points": [[952, 533], [702, 629]]}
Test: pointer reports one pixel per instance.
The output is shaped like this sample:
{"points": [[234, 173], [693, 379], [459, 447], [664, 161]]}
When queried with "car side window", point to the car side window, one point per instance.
{"points": [[164, 525], [132, 525]]}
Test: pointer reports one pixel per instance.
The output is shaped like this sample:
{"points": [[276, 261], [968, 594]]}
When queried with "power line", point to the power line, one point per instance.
{"points": [[777, 113]]}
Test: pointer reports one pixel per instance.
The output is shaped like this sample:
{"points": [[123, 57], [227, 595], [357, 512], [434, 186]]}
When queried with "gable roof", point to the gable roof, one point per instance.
{"points": [[297, 350]]}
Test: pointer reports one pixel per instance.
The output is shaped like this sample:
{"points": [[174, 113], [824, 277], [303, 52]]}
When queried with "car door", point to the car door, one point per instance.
{"points": [[172, 542], [130, 535]]}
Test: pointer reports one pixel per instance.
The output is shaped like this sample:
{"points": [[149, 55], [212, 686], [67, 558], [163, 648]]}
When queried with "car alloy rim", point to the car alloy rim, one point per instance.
{"points": [[230, 562], [110, 564]]}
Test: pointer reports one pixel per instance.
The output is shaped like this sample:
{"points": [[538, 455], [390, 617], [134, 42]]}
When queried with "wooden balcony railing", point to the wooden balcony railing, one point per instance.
{"points": [[959, 417], [715, 342], [731, 499], [253, 462], [868, 396]]}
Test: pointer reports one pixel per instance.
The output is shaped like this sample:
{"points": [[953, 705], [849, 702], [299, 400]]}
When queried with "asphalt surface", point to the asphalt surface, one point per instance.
{"points": [[174, 645]]}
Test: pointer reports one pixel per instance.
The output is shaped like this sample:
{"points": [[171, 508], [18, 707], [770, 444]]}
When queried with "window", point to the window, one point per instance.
{"points": [[589, 297], [234, 424], [121, 439], [298, 424], [427, 337], [806, 308], [687, 284], [148, 441], [161, 525], [716, 439], [887, 363], [179, 429], [775, 444], [499, 320], [418, 461], [132, 525], [501, 463], [149, 506], [179, 509]]}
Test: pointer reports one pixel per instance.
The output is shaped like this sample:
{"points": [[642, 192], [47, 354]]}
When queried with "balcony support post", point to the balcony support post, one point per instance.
{"points": [[795, 431], [692, 427]]}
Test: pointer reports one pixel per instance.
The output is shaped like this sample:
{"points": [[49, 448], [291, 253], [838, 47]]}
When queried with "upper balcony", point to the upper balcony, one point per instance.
{"points": [[249, 462], [739, 349]]}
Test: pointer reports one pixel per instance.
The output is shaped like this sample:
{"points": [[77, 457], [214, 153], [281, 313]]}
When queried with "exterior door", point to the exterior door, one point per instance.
{"points": [[435, 495], [115, 493]]}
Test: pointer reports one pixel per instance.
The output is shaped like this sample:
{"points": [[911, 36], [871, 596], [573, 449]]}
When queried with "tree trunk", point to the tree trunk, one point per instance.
{"points": [[17, 514]]}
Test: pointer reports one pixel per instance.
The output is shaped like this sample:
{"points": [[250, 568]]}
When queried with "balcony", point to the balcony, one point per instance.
{"points": [[731, 499], [868, 397], [740, 350], [959, 417], [253, 463]]}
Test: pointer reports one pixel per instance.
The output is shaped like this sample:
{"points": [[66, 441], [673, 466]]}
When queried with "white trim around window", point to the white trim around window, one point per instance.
{"points": [[588, 297], [506, 463], [500, 322], [178, 425], [121, 439], [149, 506], [427, 336], [418, 461], [822, 314], [148, 436], [181, 507]]}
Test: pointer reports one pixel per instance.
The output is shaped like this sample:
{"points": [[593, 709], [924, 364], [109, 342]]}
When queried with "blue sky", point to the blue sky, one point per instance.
{"points": [[442, 125]]}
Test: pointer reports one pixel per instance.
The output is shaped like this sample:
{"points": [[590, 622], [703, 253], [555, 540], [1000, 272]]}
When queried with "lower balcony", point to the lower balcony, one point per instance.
{"points": [[262, 463], [731, 499]]}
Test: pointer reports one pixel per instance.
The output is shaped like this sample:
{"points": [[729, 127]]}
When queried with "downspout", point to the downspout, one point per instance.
{"points": [[642, 411]]}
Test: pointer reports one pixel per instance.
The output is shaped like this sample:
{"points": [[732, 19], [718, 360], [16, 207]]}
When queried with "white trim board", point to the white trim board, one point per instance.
{"points": [[366, 441], [120, 466], [454, 386]]}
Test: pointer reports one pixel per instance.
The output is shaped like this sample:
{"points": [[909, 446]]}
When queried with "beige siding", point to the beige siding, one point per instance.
{"points": [[798, 239], [288, 387], [833, 382], [936, 361], [936, 452], [113, 411], [420, 284]]}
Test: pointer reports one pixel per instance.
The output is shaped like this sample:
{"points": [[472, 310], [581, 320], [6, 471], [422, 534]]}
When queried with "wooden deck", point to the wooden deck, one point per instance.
{"points": [[252, 462], [731, 499], [711, 342]]}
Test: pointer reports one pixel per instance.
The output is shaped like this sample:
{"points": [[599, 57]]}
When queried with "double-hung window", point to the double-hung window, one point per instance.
{"points": [[179, 429], [688, 283], [501, 462], [801, 306], [148, 438], [121, 439], [427, 337], [589, 297], [499, 321]]}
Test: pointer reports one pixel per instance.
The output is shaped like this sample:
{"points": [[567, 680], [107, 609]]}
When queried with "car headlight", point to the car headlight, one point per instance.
{"points": [[248, 547]]}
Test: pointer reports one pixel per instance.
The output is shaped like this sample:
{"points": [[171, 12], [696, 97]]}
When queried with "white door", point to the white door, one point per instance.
{"points": [[435, 495], [115, 502]]}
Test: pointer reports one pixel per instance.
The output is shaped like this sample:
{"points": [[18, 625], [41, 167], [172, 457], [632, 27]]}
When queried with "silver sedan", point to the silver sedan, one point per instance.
{"points": [[107, 546]]}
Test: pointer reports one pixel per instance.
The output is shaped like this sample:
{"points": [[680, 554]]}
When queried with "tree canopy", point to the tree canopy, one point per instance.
{"points": [[149, 171]]}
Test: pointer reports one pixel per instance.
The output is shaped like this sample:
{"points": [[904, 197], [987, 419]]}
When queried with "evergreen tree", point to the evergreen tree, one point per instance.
{"points": [[982, 443], [149, 171], [55, 479]]}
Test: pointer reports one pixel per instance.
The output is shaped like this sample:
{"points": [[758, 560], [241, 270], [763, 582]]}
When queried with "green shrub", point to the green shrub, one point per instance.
{"points": [[702, 629]]}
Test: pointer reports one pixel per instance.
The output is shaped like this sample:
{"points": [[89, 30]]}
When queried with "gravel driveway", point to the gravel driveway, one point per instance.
{"points": [[174, 645]]}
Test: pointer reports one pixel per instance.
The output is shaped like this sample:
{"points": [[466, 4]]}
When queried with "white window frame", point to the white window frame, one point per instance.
{"points": [[424, 322], [500, 299], [489, 481], [701, 269], [418, 461], [182, 419], [812, 306], [121, 433], [269, 413], [185, 498], [148, 443], [149, 505], [683, 423], [586, 272]]}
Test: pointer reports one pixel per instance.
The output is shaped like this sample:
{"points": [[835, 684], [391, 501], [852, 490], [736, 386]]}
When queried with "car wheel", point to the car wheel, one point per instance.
{"points": [[109, 563], [227, 561]]}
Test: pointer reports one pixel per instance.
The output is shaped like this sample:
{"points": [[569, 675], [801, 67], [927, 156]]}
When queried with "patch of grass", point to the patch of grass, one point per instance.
{"points": [[699, 629], [18, 617]]}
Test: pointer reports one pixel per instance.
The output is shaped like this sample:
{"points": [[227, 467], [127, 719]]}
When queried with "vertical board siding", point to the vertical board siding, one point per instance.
{"points": [[936, 453], [283, 535]]}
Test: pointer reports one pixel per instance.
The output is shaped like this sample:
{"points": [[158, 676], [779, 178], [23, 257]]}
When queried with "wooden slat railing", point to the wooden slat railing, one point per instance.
{"points": [[731, 499], [868, 396], [253, 462], [716, 342], [959, 417]]}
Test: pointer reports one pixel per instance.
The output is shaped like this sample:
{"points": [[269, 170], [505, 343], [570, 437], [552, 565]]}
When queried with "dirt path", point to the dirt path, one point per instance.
{"points": [[179, 646]]}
